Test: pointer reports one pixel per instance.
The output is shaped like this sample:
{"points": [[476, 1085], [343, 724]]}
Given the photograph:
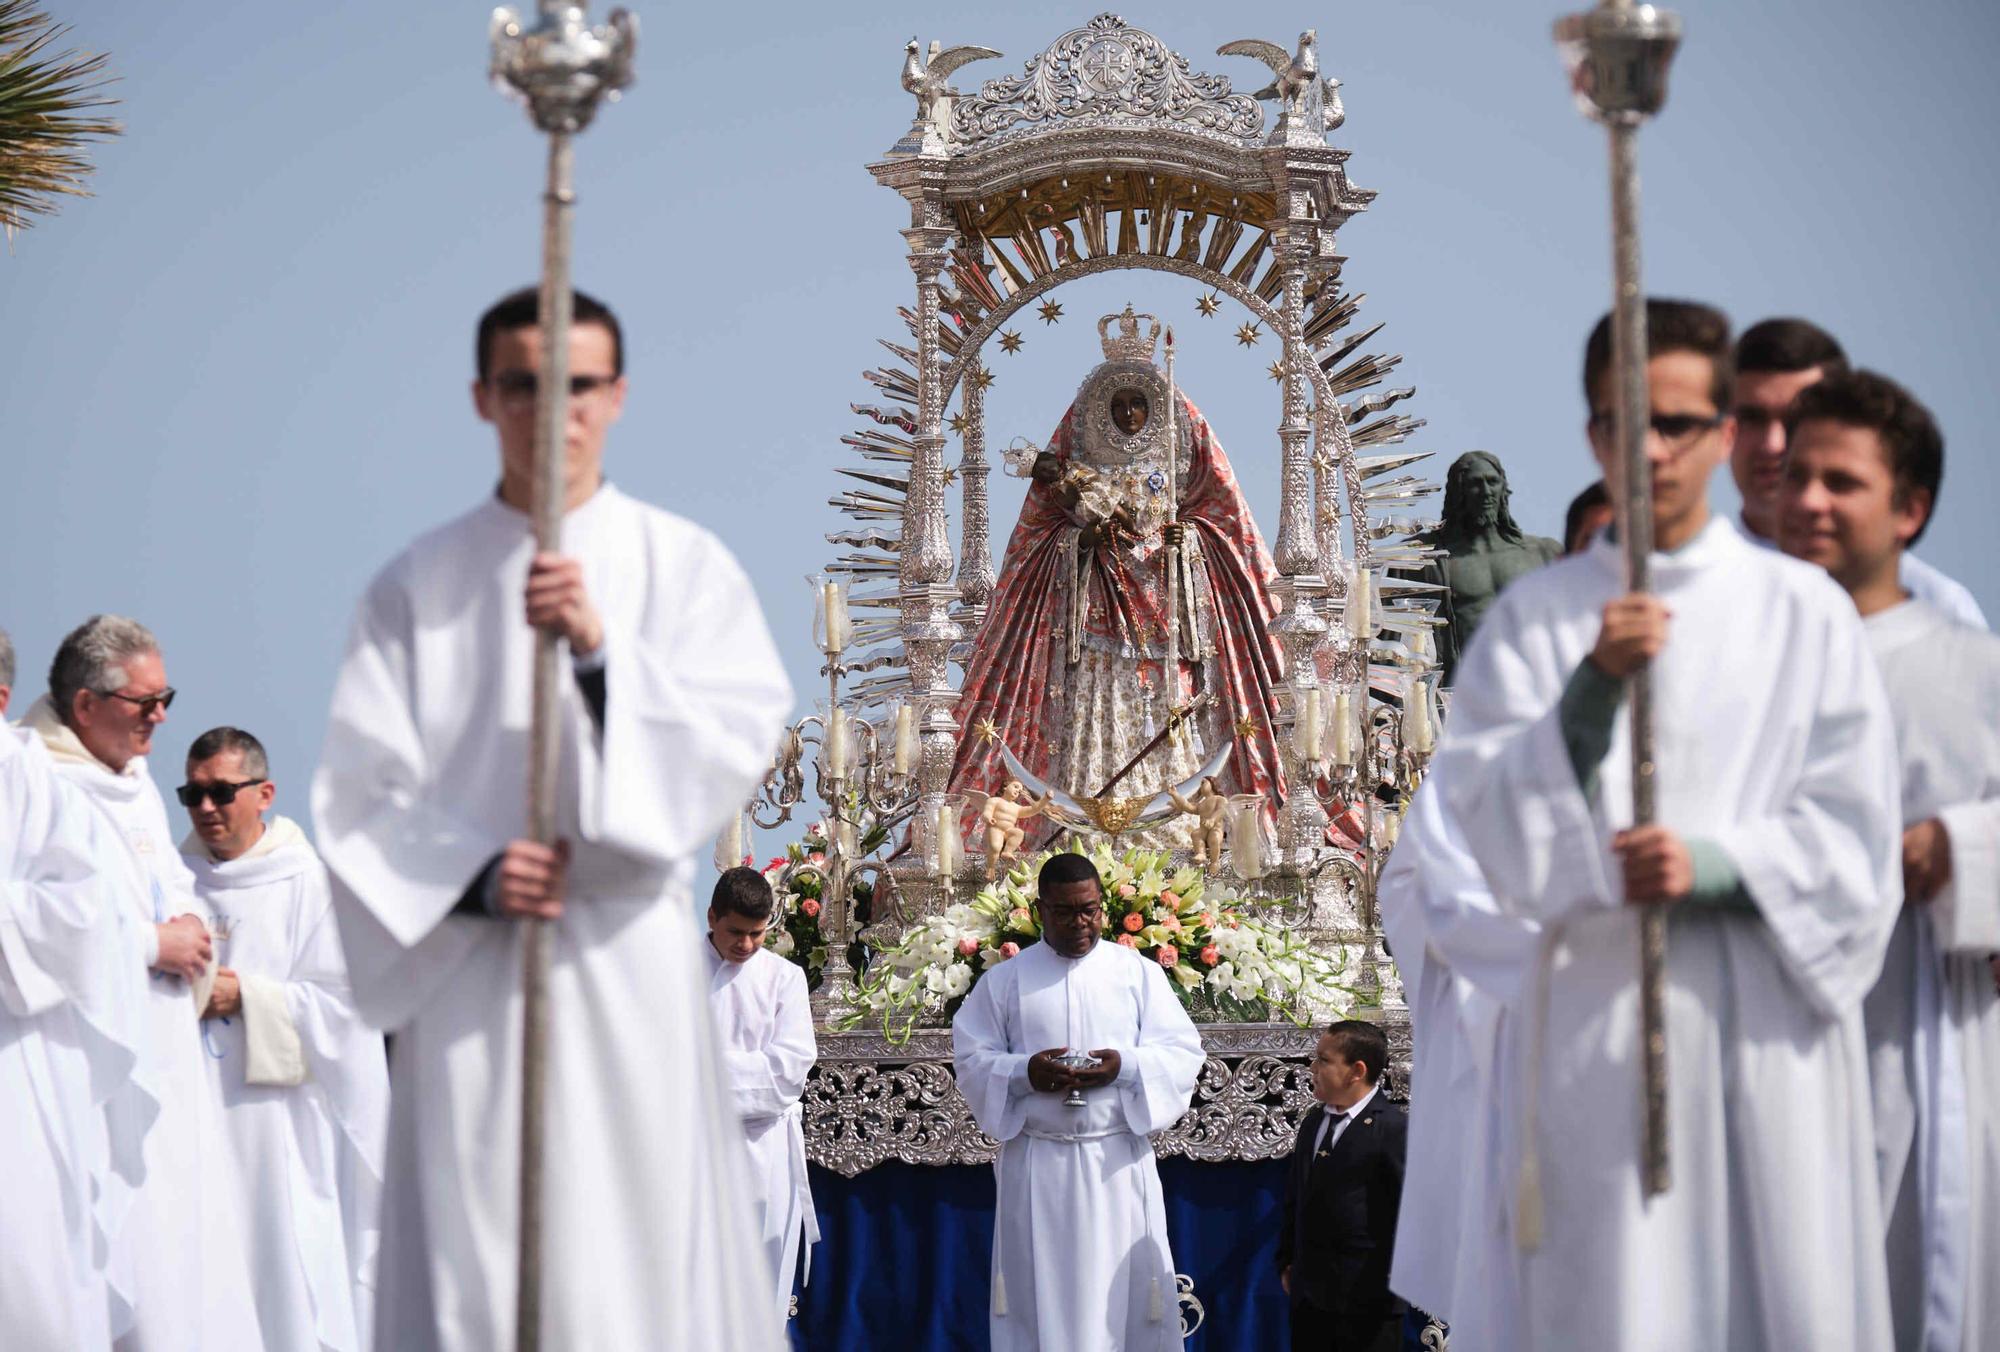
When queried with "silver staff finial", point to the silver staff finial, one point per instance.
{"points": [[559, 65], [1617, 56]]}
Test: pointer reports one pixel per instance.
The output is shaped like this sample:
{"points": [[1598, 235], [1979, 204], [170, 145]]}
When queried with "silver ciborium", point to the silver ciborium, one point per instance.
{"points": [[1074, 1060]]}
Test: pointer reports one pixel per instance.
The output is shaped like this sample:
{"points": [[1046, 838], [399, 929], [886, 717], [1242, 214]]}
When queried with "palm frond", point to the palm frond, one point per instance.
{"points": [[48, 110]]}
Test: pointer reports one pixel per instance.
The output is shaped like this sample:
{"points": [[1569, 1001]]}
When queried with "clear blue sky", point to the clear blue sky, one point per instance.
{"points": [[233, 383]]}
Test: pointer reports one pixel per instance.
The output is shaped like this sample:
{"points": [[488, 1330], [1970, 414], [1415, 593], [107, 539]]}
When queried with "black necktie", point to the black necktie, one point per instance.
{"points": [[1331, 1126]]}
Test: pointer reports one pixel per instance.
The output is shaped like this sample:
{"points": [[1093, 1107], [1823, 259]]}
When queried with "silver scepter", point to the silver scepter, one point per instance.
{"points": [[559, 67], [1617, 57]]}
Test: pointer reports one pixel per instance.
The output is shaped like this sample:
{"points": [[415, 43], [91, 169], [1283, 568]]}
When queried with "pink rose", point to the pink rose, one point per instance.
{"points": [[1128, 941], [1019, 917], [1008, 950], [1172, 923], [1169, 898], [1209, 956], [1134, 923], [1127, 890], [816, 857], [809, 908], [968, 947], [1166, 955]]}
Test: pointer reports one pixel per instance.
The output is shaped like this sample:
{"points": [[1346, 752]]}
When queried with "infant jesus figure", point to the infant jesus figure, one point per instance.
{"points": [[1003, 813], [1211, 808]]}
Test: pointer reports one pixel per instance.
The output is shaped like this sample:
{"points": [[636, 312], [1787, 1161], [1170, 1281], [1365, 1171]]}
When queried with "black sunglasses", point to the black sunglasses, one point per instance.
{"points": [[221, 794], [144, 703]]}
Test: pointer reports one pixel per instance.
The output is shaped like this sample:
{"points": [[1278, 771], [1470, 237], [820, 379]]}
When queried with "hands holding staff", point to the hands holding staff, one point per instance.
{"points": [[557, 601], [529, 883], [1634, 633]]}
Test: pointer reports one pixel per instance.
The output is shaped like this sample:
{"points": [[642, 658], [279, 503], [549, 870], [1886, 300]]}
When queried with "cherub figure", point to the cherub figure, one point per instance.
{"points": [[1211, 808], [1003, 813]]}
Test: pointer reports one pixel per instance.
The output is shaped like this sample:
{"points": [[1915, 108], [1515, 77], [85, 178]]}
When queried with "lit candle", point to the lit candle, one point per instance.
{"points": [[1419, 734], [1360, 603], [833, 606], [1246, 844], [1312, 741], [906, 738], [947, 840], [1343, 728], [835, 750]]}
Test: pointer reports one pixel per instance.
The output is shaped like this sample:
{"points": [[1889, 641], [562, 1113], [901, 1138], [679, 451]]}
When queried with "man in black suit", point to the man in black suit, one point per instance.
{"points": [[1341, 1195]]}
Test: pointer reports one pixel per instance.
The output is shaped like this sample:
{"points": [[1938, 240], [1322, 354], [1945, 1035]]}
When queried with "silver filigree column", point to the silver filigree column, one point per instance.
{"points": [[925, 574], [1298, 628], [975, 550]]}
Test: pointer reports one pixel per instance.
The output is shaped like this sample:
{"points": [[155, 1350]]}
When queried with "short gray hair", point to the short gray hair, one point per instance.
{"points": [[92, 657], [219, 741], [6, 659]]}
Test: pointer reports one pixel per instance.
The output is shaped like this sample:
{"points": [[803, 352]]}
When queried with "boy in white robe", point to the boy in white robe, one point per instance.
{"points": [[1774, 848], [1861, 480], [672, 698], [181, 1242], [304, 1085], [1080, 1253], [74, 1102], [763, 1019], [1461, 961], [1776, 361]]}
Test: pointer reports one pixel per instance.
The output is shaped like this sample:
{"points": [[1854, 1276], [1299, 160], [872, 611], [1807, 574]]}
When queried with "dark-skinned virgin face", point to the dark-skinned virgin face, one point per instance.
{"points": [[1072, 916]]}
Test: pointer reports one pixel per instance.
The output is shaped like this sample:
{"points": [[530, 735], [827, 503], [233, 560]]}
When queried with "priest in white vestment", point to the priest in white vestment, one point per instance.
{"points": [[1860, 484], [74, 1101], [1775, 850], [1080, 1253], [763, 1019], [181, 1242], [671, 702], [303, 1081]]}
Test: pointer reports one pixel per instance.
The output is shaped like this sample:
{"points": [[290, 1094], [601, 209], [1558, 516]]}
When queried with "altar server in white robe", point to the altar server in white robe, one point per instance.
{"points": [[74, 1100], [672, 698], [1461, 961], [1776, 361], [1080, 1253], [1775, 849], [181, 1242], [763, 1018], [1860, 483], [303, 1081]]}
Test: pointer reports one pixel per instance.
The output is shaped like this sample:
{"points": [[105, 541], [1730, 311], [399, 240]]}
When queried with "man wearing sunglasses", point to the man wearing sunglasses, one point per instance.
{"points": [[303, 1082], [671, 699], [71, 1022], [107, 695]]}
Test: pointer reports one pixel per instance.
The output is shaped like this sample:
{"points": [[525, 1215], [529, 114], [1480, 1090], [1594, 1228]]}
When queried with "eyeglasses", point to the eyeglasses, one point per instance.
{"points": [[221, 794], [519, 387], [1676, 430], [145, 704], [1073, 915]]}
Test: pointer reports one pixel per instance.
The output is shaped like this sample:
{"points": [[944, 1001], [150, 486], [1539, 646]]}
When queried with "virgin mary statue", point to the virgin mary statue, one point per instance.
{"points": [[1070, 671]]}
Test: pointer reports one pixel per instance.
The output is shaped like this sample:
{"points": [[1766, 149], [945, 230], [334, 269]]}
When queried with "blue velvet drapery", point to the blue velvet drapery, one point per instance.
{"points": [[903, 1259]]}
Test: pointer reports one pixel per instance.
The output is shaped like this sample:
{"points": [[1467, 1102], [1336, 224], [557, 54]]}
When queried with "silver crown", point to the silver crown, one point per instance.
{"points": [[1128, 345]]}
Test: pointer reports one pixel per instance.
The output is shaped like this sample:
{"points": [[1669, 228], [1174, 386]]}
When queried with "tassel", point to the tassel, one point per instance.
{"points": [[1528, 1202], [999, 1291], [1153, 1310]]}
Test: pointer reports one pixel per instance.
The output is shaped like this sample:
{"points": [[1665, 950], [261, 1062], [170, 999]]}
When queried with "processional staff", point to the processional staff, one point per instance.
{"points": [[560, 67], [1617, 56]]}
